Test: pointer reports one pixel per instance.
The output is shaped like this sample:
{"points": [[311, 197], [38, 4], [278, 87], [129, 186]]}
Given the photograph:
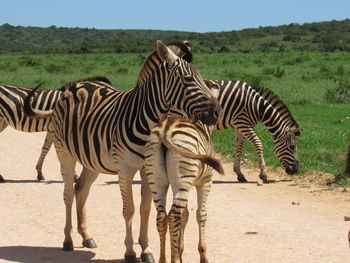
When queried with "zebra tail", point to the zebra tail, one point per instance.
{"points": [[33, 112], [207, 159]]}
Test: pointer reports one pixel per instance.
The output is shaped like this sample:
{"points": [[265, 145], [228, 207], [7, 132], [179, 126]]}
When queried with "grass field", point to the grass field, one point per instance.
{"points": [[315, 86]]}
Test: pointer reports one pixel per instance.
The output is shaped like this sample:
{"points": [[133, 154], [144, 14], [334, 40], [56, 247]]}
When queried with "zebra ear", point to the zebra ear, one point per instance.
{"points": [[166, 53], [188, 45], [295, 130]]}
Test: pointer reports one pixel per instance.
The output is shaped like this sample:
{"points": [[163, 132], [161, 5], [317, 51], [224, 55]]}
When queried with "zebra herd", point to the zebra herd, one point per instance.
{"points": [[162, 126]]}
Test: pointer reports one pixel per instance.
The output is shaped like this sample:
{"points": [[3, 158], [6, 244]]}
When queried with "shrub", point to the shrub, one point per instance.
{"points": [[28, 62], [54, 68], [122, 70], [279, 72], [8, 67], [339, 94], [253, 80]]}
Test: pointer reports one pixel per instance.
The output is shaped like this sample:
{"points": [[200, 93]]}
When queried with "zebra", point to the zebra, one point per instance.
{"points": [[12, 113], [106, 131], [179, 153], [242, 108]]}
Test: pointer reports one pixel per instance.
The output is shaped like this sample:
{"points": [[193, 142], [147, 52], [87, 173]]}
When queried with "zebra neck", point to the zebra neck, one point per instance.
{"points": [[147, 107], [273, 120]]}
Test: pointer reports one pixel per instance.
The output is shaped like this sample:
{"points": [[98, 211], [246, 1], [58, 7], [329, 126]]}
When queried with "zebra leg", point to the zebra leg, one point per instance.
{"points": [[145, 209], [175, 224], [237, 162], [202, 197], [125, 183], [44, 150], [3, 126], [159, 184], [254, 139], [184, 221], [67, 164], [82, 188], [159, 199]]}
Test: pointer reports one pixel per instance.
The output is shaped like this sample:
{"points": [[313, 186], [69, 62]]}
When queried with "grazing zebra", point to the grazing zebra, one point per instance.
{"points": [[106, 131], [12, 113], [180, 154], [242, 108]]}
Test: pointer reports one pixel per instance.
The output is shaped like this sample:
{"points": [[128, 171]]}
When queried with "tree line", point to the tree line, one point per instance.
{"points": [[327, 36]]}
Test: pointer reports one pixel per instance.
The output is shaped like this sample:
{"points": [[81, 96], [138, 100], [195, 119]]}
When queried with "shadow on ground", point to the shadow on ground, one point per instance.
{"points": [[23, 254]]}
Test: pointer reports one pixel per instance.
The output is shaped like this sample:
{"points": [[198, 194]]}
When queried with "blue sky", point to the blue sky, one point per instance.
{"points": [[197, 16]]}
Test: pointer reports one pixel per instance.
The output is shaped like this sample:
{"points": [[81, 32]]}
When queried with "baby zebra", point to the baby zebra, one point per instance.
{"points": [[179, 153]]}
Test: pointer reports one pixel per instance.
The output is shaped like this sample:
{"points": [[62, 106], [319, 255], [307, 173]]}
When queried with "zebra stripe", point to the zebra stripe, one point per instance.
{"points": [[180, 154], [106, 131]]}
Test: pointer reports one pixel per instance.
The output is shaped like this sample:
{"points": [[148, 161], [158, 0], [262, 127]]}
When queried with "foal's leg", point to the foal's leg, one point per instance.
{"points": [[184, 221], [82, 189], [145, 209], [44, 150], [202, 196], [67, 164], [159, 185]]}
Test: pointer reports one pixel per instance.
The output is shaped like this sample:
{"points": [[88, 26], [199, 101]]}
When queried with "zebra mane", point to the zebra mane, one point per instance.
{"points": [[92, 78], [180, 49], [277, 103]]}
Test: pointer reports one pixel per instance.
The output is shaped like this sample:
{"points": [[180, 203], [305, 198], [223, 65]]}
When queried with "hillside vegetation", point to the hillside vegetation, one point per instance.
{"points": [[323, 36]]}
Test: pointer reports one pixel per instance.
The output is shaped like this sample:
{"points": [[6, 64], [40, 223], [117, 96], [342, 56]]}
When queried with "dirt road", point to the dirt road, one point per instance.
{"points": [[246, 222]]}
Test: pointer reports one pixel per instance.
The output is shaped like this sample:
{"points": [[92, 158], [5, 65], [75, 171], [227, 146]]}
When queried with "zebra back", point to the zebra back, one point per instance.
{"points": [[11, 107]]}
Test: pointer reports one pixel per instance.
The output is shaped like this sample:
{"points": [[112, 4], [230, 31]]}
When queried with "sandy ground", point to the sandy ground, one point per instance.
{"points": [[246, 222]]}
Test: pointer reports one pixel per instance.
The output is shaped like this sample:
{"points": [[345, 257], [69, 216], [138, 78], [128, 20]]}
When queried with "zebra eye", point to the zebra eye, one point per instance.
{"points": [[189, 78]]}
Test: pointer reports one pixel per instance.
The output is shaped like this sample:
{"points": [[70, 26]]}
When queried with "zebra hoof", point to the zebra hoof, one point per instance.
{"points": [[40, 177], [2, 179], [68, 246], [130, 259], [242, 180], [147, 258], [264, 179], [89, 243]]}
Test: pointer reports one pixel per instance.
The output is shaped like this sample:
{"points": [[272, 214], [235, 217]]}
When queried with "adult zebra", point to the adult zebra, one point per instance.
{"points": [[12, 113], [242, 108], [106, 131]]}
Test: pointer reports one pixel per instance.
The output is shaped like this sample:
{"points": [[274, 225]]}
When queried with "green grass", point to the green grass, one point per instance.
{"points": [[304, 81]]}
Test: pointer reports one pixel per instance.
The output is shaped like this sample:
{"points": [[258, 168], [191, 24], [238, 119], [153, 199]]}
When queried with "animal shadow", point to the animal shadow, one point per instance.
{"points": [[28, 254]]}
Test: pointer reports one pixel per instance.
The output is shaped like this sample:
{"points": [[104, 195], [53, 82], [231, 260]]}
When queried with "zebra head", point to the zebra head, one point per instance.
{"points": [[186, 89], [286, 149]]}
